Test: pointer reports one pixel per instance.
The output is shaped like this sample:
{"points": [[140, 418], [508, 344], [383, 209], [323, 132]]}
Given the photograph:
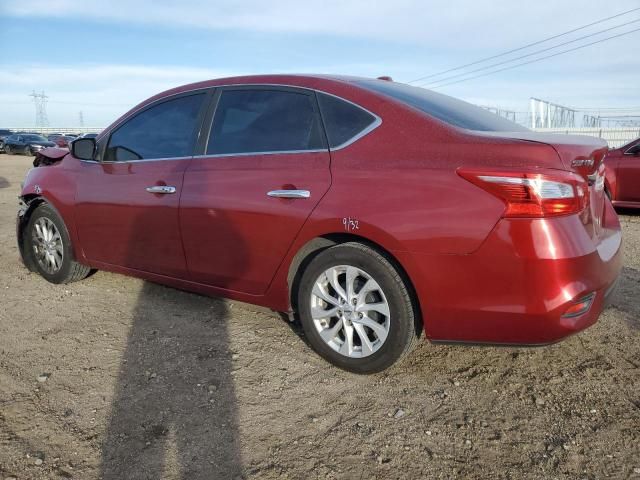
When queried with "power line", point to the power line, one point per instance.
{"points": [[523, 47], [536, 59], [458, 75]]}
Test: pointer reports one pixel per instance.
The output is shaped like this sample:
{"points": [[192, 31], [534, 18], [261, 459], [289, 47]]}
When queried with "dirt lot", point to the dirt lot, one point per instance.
{"points": [[116, 378]]}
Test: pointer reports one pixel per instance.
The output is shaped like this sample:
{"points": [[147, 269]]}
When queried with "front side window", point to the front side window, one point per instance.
{"points": [[262, 121], [165, 130], [343, 120]]}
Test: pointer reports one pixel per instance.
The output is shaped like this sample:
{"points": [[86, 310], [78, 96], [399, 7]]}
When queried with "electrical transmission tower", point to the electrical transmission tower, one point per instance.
{"points": [[40, 101], [510, 114], [591, 121], [551, 115]]}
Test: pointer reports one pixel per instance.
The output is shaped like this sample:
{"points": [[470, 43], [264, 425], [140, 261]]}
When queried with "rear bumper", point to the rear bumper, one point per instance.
{"points": [[517, 286]]}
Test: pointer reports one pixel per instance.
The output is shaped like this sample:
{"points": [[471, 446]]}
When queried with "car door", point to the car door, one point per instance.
{"points": [[628, 177], [262, 170], [127, 202]]}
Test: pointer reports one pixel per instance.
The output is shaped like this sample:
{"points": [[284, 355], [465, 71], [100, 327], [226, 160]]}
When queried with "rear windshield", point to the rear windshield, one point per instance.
{"points": [[448, 109]]}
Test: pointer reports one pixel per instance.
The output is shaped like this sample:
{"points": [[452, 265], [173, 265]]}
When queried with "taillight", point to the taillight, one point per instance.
{"points": [[533, 193]]}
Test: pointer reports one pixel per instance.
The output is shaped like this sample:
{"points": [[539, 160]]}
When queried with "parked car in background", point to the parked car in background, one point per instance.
{"points": [[623, 175], [26, 144], [87, 135], [372, 210], [64, 140], [4, 133]]}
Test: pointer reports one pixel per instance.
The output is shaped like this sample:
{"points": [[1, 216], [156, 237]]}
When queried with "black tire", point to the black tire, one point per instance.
{"points": [[69, 270], [27, 151], [403, 329], [7, 150]]}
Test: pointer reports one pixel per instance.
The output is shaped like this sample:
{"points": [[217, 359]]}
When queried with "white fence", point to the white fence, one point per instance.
{"points": [[49, 130], [615, 137]]}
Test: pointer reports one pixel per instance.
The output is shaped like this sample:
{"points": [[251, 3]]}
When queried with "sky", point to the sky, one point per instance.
{"points": [[102, 57]]}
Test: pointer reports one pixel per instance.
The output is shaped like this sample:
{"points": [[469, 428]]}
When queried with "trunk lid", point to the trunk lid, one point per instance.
{"points": [[581, 154]]}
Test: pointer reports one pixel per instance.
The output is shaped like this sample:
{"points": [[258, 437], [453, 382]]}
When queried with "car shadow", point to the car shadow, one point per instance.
{"points": [[174, 412], [625, 295], [632, 212], [4, 183]]}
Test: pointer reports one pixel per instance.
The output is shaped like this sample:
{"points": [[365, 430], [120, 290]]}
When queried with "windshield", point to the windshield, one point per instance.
{"points": [[34, 138], [448, 109]]}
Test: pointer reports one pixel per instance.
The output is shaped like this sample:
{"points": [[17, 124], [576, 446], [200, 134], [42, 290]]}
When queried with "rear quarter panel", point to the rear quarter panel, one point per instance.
{"points": [[398, 187]]}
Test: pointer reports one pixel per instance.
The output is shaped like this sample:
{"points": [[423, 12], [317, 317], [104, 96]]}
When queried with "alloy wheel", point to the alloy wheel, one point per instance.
{"points": [[47, 245], [350, 311]]}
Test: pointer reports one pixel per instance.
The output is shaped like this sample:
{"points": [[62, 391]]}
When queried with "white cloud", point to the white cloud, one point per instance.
{"points": [[102, 92], [445, 32], [458, 24]]}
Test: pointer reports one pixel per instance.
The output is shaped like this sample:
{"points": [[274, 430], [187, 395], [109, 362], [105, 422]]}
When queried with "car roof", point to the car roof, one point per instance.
{"points": [[314, 81], [311, 81]]}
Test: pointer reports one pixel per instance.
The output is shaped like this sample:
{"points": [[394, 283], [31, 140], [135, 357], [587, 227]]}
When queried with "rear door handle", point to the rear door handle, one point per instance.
{"points": [[289, 193], [161, 189]]}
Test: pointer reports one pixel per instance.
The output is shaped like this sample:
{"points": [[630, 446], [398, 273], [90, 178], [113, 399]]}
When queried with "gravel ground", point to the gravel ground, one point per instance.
{"points": [[117, 378]]}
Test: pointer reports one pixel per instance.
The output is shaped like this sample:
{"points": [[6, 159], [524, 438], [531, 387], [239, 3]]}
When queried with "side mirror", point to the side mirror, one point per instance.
{"points": [[635, 150], [84, 148]]}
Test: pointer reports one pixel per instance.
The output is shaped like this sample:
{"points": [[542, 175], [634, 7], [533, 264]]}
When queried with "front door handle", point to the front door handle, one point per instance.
{"points": [[161, 189], [289, 193]]}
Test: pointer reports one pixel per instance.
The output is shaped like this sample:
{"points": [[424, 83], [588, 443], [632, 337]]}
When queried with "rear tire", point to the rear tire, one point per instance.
{"points": [[48, 246], [367, 322], [7, 150]]}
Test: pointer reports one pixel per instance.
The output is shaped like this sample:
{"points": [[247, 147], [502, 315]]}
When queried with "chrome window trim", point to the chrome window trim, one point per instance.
{"points": [[371, 127], [249, 154], [627, 150], [375, 124], [137, 161]]}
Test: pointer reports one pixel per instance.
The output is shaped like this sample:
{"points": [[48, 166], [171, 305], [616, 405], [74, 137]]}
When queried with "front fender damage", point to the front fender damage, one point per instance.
{"points": [[26, 206], [49, 156]]}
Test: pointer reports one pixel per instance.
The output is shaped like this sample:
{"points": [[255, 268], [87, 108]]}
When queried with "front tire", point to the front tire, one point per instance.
{"points": [[27, 151], [48, 245], [7, 150], [356, 310]]}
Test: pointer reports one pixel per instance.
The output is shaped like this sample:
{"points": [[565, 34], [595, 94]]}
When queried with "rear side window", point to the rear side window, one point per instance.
{"points": [[262, 121], [343, 120], [448, 109], [165, 130]]}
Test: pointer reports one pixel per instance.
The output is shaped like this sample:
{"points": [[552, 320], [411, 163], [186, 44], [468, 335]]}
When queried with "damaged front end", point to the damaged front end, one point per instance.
{"points": [[24, 211], [49, 156], [32, 194]]}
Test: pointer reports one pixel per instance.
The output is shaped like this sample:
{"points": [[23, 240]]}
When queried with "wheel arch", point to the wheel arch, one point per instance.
{"points": [[28, 205], [313, 247]]}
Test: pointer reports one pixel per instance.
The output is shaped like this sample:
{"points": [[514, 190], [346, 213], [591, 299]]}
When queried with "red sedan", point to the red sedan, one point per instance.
{"points": [[374, 211], [622, 173]]}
